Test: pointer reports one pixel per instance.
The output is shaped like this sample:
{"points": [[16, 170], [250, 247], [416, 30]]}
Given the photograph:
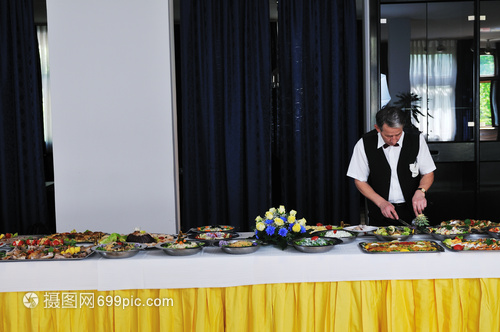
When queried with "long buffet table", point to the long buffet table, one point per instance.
{"points": [[344, 289]]}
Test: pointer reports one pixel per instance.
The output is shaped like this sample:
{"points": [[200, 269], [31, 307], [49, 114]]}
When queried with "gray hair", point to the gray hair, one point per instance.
{"points": [[392, 116]]}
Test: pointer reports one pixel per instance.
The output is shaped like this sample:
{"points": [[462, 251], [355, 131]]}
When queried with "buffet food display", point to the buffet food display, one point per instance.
{"points": [[75, 245]]}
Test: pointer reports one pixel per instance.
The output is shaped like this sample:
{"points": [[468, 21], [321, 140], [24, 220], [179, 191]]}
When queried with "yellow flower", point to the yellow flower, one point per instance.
{"points": [[302, 221], [296, 228], [279, 221], [272, 210], [269, 215], [261, 226], [281, 209], [258, 219], [291, 219], [293, 213]]}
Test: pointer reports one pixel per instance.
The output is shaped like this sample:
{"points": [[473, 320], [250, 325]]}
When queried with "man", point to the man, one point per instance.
{"points": [[393, 169]]}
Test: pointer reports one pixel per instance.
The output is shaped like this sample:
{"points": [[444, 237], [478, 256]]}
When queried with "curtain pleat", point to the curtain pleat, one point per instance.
{"points": [[318, 108], [23, 202], [225, 117]]}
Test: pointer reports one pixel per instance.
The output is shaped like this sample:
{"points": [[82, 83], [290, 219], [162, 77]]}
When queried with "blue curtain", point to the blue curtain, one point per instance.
{"points": [[23, 203], [318, 110], [225, 116]]}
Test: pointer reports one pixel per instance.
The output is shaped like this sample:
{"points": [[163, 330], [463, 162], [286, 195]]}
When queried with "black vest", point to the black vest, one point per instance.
{"points": [[380, 171]]}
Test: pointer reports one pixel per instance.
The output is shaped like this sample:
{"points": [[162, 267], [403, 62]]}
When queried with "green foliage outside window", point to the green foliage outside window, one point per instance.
{"points": [[485, 105], [486, 69]]}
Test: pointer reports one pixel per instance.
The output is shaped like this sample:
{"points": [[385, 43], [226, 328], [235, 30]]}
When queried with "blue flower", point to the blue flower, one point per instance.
{"points": [[283, 232], [283, 218], [302, 229], [269, 221], [270, 230]]}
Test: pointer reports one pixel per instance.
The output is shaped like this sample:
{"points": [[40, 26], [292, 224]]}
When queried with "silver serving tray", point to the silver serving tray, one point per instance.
{"points": [[241, 250], [494, 234], [119, 254], [454, 250], [44, 260], [434, 244], [392, 237], [316, 249], [232, 229], [212, 242], [347, 239], [443, 237], [181, 252]]}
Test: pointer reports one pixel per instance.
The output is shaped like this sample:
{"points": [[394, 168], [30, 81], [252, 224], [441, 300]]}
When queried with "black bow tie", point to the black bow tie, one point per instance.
{"points": [[387, 145]]}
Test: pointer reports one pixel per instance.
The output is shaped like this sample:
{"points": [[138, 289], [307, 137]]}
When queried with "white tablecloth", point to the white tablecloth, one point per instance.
{"points": [[153, 269]]}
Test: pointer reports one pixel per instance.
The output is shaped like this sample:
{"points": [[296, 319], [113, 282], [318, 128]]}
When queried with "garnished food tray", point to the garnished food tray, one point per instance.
{"points": [[482, 244], [25, 253], [400, 247], [475, 225]]}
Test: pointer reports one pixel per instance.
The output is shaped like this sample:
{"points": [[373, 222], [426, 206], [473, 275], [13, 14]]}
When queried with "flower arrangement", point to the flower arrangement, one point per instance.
{"points": [[279, 227]]}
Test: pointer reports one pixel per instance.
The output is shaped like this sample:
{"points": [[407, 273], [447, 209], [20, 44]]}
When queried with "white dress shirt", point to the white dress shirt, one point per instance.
{"points": [[360, 170]]}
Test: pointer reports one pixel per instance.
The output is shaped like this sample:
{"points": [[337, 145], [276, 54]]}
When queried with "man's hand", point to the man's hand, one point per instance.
{"points": [[419, 202], [388, 210]]}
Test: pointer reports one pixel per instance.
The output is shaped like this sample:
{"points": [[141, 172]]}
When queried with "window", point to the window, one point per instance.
{"points": [[487, 73], [45, 69]]}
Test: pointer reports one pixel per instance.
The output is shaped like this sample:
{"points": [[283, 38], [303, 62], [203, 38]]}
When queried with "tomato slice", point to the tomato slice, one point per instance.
{"points": [[458, 247]]}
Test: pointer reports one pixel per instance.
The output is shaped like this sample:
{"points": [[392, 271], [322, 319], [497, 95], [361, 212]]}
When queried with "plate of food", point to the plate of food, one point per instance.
{"points": [[345, 236], [45, 253], [391, 233], [213, 238], [475, 225], [400, 247], [150, 240], [181, 247], [483, 244], [240, 246], [77, 237], [118, 249], [446, 232], [494, 232], [361, 229], [315, 244], [321, 227], [213, 229]]}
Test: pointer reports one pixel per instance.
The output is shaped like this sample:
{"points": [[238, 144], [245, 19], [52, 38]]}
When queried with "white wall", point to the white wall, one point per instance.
{"points": [[113, 114]]}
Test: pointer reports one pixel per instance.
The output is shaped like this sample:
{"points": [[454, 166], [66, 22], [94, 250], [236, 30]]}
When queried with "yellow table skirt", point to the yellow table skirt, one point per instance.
{"points": [[394, 305]]}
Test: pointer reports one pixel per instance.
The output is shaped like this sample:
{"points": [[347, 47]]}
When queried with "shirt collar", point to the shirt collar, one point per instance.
{"points": [[381, 142]]}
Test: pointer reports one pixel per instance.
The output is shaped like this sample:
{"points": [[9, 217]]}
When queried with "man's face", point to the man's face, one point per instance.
{"points": [[390, 135]]}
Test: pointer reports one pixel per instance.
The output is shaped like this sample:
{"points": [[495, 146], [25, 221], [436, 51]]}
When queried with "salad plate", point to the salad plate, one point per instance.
{"points": [[391, 233], [447, 232], [181, 248], [315, 244]]}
